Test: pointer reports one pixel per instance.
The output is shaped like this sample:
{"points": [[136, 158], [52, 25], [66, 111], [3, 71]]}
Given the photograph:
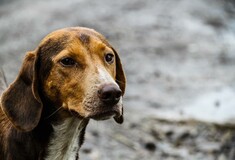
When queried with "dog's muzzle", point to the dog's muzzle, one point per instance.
{"points": [[109, 94]]}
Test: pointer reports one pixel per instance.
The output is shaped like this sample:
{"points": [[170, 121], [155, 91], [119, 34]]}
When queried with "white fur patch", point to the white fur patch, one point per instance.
{"points": [[64, 144], [105, 77]]}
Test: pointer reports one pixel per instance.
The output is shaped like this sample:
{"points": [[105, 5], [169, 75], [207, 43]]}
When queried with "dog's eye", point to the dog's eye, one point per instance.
{"points": [[109, 58], [67, 62]]}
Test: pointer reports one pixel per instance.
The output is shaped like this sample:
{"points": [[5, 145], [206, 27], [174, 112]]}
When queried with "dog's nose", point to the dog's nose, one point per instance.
{"points": [[110, 94]]}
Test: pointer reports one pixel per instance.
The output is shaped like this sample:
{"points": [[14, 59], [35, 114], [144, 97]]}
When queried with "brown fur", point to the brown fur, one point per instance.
{"points": [[46, 92]]}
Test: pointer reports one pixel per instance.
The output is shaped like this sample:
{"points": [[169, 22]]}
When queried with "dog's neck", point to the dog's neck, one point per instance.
{"points": [[67, 139]]}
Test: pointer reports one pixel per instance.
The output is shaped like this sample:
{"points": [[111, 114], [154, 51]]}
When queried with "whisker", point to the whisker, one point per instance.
{"points": [[54, 112], [120, 81]]}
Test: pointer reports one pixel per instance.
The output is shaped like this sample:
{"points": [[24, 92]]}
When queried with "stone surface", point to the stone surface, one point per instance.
{"points": [[215, 107], [179, 58]]}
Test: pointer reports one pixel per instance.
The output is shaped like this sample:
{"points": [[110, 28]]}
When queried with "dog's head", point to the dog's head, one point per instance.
{"points": [[75, 69]]}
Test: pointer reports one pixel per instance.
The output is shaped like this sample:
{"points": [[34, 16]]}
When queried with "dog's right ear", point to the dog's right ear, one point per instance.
{"points": [[20, 102]]}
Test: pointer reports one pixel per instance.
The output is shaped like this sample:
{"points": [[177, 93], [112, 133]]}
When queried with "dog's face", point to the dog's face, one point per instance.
{"points": [[83, 75], [76, 69]]}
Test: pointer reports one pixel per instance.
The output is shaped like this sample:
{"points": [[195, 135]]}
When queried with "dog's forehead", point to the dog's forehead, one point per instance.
{"points": [[89, 38], [83, 34], [75, 37]]}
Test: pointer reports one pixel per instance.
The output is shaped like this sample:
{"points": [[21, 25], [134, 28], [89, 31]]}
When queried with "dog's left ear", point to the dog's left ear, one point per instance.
{"points": [[120, 75], [21, 102], [121, 81]]}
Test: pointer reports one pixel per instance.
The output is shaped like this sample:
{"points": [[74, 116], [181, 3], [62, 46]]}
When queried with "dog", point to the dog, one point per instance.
{"points": [[74, 75]]}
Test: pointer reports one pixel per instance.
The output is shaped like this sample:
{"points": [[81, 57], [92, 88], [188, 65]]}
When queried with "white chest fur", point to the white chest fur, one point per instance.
{"points": [[64, 144]]}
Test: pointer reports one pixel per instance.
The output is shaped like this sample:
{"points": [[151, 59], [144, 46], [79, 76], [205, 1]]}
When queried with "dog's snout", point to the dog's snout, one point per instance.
{"points": [[110, 94]]}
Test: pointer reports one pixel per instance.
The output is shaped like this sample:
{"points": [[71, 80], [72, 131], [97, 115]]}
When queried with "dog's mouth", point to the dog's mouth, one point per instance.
{"points": [[104, 115], [100, 113], [106, 111]]}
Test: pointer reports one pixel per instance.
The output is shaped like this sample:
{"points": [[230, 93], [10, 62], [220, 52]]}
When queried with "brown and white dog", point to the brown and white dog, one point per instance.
{"points": [[72, 76]]}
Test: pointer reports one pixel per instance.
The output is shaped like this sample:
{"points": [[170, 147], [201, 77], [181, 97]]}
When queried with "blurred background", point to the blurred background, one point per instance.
{"points": [[179, 58]]}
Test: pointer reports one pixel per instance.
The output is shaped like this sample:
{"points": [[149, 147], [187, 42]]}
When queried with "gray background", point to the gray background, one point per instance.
{"points": [[179, 58]]}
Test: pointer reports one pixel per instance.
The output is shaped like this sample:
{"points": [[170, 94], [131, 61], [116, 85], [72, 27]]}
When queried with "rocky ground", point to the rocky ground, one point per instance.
{"points": [[179, 57]]}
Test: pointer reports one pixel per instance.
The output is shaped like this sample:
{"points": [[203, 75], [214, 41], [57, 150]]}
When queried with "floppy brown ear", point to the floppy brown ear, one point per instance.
{"points": [[121, 81], [120, 75], [20, 101]]}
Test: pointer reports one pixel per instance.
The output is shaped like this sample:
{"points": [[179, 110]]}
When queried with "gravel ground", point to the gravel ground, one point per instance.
{"points": [[173, 52]]}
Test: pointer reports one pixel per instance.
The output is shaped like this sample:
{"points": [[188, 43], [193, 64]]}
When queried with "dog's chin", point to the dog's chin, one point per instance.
{"points": [[104, 113], [100, 113], [96, 116]]}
